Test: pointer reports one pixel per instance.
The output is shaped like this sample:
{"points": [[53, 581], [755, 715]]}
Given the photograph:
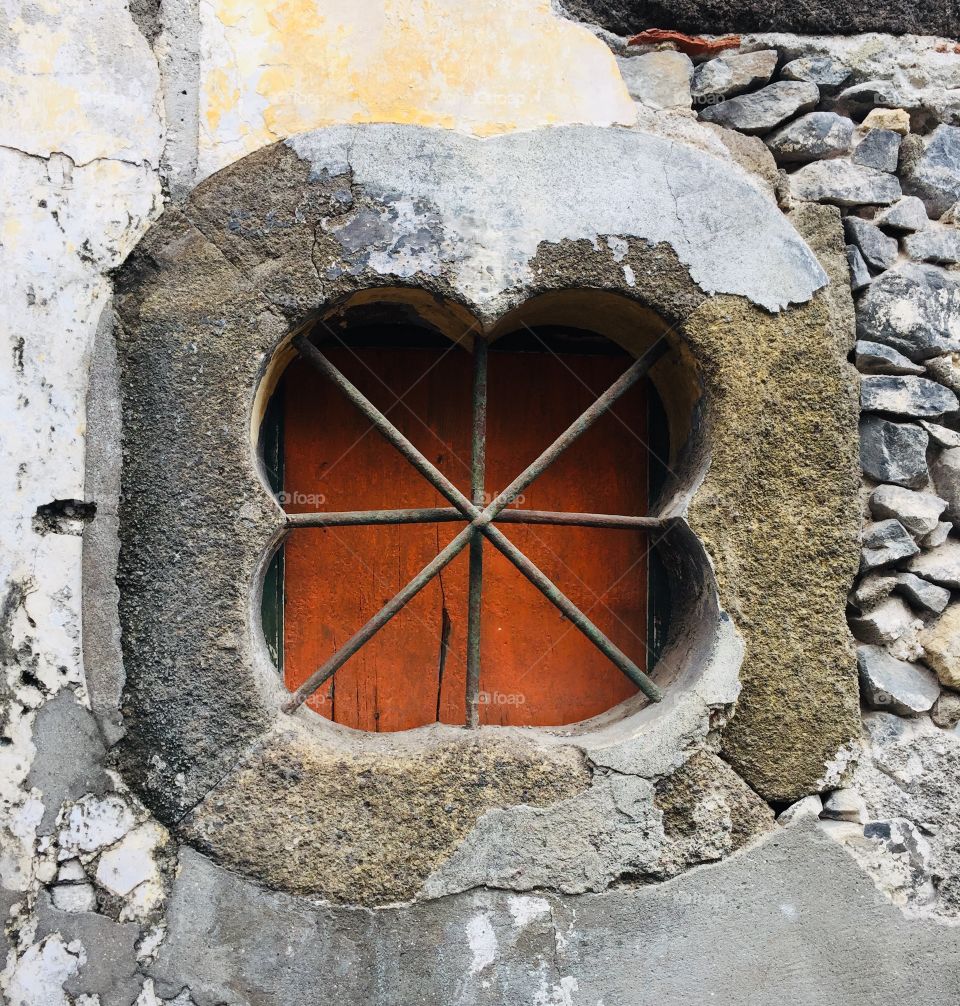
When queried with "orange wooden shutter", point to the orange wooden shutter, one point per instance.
{"points": [[536, 668]]}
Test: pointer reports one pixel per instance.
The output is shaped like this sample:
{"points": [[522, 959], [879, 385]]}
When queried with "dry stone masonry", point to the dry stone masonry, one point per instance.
{"points": [[883, 145], [825, 830]]}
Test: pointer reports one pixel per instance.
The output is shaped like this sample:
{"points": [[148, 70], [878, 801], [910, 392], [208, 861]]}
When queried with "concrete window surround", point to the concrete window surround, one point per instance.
{"points": [[206, 308]]}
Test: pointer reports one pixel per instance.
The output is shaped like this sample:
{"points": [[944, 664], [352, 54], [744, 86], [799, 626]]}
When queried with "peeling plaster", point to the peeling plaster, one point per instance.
{"points": [[66, 230], [482, 207], [81, 79], [81, 132], [483, 942], [93, 824], [39, 975], [481, 66]]}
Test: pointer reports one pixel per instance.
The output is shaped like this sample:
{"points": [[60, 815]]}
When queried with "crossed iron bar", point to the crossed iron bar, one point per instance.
{"points": [[481, 520]]}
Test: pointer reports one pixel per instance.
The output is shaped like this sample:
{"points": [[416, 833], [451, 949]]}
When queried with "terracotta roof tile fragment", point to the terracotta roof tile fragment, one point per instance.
{"points": [[692, 45]]}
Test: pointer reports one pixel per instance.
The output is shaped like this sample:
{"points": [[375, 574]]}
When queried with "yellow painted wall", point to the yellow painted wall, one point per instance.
{"points": [[272, 69]]}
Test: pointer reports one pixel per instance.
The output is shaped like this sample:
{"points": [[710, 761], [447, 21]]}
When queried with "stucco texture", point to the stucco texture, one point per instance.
{"points": [[203, 306], [370, 827], [270, 71], [778, 516], [791, 920]]}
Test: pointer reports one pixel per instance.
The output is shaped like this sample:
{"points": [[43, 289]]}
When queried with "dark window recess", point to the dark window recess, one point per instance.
{"points": [[271, 451]]}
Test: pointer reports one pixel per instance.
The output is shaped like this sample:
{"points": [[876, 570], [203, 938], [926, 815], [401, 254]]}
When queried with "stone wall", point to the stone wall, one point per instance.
{"points": [[884, 150], [112, 114]]}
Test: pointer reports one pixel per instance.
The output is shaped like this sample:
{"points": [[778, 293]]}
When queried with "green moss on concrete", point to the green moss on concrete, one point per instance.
{"points": [[779, 515], [703, 789], [368, 828]]}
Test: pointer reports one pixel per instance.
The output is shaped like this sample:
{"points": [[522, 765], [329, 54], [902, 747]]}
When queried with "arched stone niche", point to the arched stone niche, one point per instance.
{"points": [[645, 237]]}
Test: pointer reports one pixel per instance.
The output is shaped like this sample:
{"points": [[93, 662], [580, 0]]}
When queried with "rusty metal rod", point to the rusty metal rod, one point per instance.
{"points": [[447, 515], [383, 425], [579, 426], [607, 520], [553, 593], [434, 476], [478, 459], [349, 518], [481, 521]]}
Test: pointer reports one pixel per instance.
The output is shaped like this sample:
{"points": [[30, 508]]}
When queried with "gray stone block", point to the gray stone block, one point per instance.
{"points": [[922, 594], [74, 897], [915, 309], [893, 452], [884, 543], [935, 244], [946, 370], [941, 435], [937, 536], [919, 513], [878, 250], [879, 149], [859, 273], [875, 358], [946, 710], [862, 96], [812, 137], [884, 624], [945, 471], [765, 109], [893, 685], [940, 565], [915, 397], [808, 807], [844, 183], [732, 74], [934, 175], [906, 216], [659, 80], [824, 71], [912, 774]]}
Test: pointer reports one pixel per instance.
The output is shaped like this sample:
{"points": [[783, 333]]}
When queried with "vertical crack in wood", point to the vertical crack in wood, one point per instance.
{"points": [[446, 626]]}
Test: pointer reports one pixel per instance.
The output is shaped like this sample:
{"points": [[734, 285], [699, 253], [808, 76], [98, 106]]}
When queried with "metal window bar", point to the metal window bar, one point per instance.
{"points": [[478, 463], [481, 520], [447, 515]]}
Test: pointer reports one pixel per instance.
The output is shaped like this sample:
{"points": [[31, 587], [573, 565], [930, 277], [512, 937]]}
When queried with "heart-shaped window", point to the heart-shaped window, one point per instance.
{"points": [[384, 441]]}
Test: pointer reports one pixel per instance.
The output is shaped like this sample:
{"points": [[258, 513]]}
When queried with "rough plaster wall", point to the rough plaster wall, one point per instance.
{"points": [[843, 17], [94, 126], [772, 705], [270, 71], [81, 134]]}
